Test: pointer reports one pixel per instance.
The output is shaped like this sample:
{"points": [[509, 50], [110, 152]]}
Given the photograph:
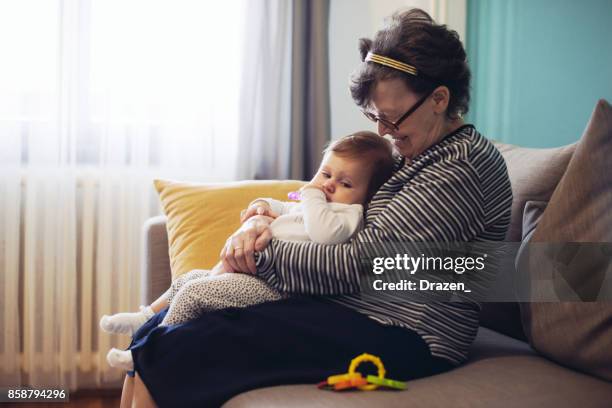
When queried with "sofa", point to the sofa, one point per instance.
{"points": [[503, 370]]}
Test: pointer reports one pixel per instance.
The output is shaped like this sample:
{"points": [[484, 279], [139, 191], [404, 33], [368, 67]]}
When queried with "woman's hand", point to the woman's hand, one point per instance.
{"points": [[259, 207], [253, 235]]}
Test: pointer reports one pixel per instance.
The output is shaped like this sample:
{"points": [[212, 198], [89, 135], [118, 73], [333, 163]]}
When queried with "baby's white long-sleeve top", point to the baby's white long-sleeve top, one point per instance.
{"points": [[314, 219]]}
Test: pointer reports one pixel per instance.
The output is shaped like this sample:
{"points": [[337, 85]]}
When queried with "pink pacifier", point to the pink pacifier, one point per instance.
{"points": [[295, 195]]}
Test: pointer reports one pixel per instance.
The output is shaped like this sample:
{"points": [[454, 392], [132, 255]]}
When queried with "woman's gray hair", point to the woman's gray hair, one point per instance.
{"points": [[435, 51]]}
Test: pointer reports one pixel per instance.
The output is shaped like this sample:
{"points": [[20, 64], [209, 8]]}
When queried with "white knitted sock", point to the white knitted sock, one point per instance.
{"points": [[126, 323], [120, 359]]}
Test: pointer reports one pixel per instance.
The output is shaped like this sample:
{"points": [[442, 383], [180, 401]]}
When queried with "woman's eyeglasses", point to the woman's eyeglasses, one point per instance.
{"points": [[395, 125]]}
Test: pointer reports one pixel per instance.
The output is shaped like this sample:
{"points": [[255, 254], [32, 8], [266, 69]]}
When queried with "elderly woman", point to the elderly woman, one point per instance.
{"points": [[450, 184]]}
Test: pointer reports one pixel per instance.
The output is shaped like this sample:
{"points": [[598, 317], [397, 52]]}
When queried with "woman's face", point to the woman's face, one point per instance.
{"points": [[422, 129]]}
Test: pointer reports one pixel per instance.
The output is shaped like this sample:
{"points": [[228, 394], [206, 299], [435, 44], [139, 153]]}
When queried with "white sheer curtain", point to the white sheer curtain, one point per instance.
{"points": [[96, 98]]}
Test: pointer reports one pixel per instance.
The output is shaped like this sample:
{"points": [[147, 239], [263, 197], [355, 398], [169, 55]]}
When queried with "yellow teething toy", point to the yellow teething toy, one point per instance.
{"points": [[372, 359]]}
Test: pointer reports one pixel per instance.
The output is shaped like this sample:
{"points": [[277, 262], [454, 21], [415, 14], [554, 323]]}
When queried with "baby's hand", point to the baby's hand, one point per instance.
{"points": [[261, 219], [259, 207], [312, 185]]}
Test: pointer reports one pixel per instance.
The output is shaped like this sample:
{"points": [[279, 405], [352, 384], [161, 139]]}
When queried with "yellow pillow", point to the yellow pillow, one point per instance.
{"points": [[202, 216]]}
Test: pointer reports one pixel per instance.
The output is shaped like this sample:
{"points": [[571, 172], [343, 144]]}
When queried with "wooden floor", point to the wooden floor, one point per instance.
{"points": [[79, 399]]}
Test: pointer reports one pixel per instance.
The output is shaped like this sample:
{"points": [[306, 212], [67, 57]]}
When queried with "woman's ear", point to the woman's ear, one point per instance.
{"points": [[441, 98]]}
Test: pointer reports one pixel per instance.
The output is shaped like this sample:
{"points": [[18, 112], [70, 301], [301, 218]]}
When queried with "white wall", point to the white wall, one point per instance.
{"points": [[354, 19]]}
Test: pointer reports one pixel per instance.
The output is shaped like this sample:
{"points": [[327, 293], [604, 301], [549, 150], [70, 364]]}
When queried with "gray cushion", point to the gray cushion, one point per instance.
{"points": [[531, 216], [534, 174], [505, 317], [501, 372]]}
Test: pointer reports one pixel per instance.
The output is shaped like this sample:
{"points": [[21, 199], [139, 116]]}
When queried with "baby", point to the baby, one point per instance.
{"points": [[330, 211]]}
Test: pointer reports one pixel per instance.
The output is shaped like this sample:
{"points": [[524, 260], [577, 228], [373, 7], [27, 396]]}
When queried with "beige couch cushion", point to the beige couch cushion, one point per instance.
{"points": [[579, 334], [501, 372]]}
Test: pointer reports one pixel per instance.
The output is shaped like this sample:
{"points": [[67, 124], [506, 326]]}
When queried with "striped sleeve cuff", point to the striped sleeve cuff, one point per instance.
{"points": [[265, 268], [264, 261]]}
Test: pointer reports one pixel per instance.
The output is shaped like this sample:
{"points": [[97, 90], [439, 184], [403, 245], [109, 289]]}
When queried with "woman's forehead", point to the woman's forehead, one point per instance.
{"points": [[389, 95]]}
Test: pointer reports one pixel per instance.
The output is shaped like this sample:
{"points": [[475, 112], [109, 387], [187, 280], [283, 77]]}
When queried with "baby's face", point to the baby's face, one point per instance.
{"points": [[343, 180]]}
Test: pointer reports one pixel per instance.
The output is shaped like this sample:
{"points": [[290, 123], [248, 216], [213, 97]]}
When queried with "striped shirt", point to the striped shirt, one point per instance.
{"points": [[456, 191]]}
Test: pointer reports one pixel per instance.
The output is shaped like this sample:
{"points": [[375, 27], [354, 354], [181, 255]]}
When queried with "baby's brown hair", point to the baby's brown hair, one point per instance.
{"points": [[370, 147]]}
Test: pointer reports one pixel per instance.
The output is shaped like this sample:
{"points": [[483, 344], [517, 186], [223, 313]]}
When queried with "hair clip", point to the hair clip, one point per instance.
{"points": [[391, 63]]}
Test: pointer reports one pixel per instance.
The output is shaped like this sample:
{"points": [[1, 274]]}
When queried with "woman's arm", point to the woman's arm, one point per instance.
{"points": [[324, 225], [445, 205]]}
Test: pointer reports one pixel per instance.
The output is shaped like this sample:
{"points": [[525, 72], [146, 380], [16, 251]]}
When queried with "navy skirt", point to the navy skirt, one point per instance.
{"points": [[207, 361]]}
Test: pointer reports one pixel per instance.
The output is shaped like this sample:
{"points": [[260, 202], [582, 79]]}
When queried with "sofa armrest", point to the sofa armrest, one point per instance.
{"points": [[156, 276]]}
